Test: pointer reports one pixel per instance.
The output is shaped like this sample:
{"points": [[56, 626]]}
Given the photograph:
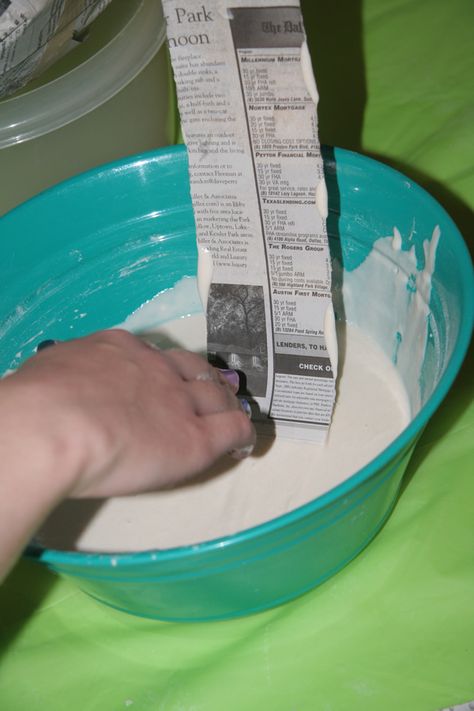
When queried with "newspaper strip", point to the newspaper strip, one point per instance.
{"points": [[35, 33], [250, 125]]}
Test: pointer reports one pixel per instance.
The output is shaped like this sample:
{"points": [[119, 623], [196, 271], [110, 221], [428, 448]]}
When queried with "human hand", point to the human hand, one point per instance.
{"points": [[126, 418]]}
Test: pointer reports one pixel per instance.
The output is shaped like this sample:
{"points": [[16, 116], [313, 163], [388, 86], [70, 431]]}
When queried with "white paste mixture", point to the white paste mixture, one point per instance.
{"points": [[371, 410]]}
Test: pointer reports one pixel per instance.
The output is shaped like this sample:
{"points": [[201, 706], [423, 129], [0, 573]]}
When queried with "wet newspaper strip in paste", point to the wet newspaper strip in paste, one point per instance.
{"points": [[246, 97]]}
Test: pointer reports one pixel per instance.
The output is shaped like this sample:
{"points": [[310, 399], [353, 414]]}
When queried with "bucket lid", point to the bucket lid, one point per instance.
{"points": [[51, 105]]}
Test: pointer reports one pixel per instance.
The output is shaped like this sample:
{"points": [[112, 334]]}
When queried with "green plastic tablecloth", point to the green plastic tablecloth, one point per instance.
{"points": [[395, 628]]}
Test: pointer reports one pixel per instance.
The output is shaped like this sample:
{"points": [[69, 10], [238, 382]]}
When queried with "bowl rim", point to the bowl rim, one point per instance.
{"points": [[68, 559]]}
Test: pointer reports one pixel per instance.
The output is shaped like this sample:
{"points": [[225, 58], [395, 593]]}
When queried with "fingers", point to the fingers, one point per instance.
{"points": [[190, 365], [213, 391], [191, 381], [230, 432], [231, 378], [210, 397], [203, 379]]}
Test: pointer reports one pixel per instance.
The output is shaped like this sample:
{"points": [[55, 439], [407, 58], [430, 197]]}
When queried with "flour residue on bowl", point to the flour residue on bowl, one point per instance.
{"points": [[390, 294], [371, 410]]}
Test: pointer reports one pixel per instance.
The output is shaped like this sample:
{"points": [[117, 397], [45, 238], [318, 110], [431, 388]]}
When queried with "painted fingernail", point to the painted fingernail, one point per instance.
{"points": [[246, 407], [242, 452], [45, 344], [231, 376]]}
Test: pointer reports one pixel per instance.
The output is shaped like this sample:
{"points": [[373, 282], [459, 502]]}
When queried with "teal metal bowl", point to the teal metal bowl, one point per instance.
{"points": [[86, 253]]}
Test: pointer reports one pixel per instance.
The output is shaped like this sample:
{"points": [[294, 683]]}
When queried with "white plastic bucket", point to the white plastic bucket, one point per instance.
{"points": [[109, 98]]}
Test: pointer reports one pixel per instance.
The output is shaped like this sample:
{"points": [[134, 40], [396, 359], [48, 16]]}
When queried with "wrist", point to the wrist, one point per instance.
{"points": [[38, 448], [40, 463]]}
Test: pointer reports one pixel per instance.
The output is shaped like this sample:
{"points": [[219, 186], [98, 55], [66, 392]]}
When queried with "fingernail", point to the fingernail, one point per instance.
{"points": [[242, 452], [231, 376], [45, 344], [246, 407]]}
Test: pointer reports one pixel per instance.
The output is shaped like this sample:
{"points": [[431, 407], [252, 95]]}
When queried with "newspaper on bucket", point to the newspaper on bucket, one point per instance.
{"points": [[35, 33], [247, 102]]}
